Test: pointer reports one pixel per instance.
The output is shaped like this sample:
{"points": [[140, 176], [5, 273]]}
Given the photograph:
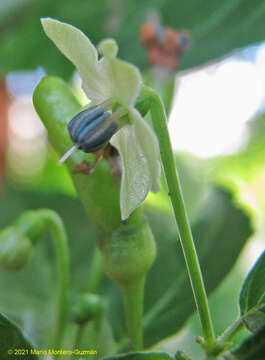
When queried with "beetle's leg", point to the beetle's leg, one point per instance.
{"points": [[85, 167]]}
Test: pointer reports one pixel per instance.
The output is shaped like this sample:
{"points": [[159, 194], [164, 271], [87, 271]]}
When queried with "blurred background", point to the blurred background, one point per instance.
{"points": [[207, 60]]}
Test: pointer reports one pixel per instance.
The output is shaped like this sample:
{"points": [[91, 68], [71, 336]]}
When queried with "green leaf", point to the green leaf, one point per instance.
{"points": [[253, 348], [220, 232], [141, 356], [12, 338], [252, 296]]}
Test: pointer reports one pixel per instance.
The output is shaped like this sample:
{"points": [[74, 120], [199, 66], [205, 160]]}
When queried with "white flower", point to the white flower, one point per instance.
{"points": [[113, 79]]}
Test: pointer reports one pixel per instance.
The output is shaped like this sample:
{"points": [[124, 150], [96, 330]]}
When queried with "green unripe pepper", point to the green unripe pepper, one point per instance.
{"points": [[128, 255]]}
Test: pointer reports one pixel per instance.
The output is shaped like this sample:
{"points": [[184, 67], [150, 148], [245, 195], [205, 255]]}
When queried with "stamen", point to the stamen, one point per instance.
{"points": [[100, 139], [76, 120], [86, 117], [92, 128], [67, 154], [86, 123]]}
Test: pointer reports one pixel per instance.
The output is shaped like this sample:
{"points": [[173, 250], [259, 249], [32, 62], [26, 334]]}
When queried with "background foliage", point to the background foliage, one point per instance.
{"points": [[216, 27]]}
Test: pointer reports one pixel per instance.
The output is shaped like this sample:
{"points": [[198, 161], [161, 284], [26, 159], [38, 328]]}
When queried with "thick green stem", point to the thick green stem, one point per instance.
{"points": [[133, 297], [175, 192], [232, 331], [61, 245]]}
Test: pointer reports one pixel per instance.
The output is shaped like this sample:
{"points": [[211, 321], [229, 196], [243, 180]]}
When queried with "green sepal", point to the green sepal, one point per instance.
{"points": [[144, 100]]}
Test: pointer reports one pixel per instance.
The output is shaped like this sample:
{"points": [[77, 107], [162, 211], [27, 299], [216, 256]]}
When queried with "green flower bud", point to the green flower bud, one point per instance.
{"points": [[180, 355], [15, 249], [31, 224], [129, 253], [86, 307]]}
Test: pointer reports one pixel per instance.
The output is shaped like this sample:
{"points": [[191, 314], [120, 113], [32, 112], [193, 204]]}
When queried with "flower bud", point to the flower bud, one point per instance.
{"points": [[180, 355], [15, 249], [86, 307], [30, 224]]}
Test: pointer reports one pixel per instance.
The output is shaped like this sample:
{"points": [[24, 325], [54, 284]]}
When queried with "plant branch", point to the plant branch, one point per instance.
{"points": [[133, 295], [232, 331], [184, 229]]}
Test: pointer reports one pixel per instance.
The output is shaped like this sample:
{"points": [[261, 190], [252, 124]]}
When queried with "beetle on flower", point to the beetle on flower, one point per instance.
{"points": [[112, 85]]}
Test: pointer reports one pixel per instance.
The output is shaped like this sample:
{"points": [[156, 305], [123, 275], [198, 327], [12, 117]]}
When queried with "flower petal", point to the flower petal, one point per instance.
{"points": [[122, 79], [138, 148], [74, 44], [150, 147]]}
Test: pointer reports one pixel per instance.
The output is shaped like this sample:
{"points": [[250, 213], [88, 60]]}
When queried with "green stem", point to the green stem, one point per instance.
{"points": [[133, 295], [232, 331], [95, 272], [96, 330], [78, 338], [175, 192], [61, 245]]}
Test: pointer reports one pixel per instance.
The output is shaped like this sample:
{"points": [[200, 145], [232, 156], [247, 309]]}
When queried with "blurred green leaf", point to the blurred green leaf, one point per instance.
{"points": [[248, 163], [252, 296], [217, 27], [11, 338], [9, 10], [253, 348], [141, 356], [195, 188], [220, 233]]}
